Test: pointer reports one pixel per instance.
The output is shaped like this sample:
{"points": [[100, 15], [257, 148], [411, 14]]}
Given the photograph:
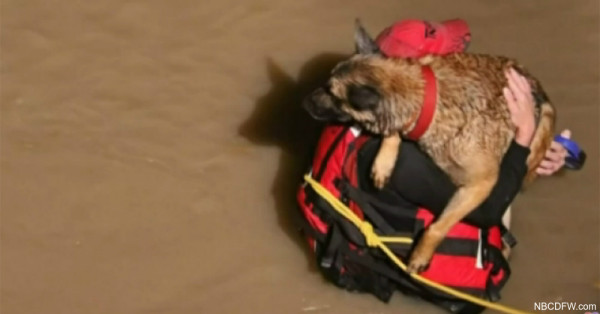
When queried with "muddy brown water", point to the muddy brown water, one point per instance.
{"points": [[151, 150]]}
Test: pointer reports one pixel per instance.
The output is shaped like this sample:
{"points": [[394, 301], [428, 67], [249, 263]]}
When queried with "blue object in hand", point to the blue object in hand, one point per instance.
{"points": [[575, 155]]}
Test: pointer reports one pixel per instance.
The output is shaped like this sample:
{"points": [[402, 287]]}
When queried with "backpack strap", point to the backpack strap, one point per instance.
{"points": [[345, 188], [349, 229], [500, 272], [357, 270], [330, 150], [330, 253]]}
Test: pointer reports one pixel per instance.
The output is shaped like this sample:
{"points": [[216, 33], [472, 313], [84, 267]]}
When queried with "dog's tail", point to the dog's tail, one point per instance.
{"points": [[543, 136]]}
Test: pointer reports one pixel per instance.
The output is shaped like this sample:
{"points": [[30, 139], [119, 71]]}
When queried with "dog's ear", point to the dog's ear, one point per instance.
{"points": [[364, 43], [363, 97]]}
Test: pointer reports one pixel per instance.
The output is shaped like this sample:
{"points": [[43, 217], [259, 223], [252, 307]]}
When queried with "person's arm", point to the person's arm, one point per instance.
{"points": [[420, 181], [520, 102]]}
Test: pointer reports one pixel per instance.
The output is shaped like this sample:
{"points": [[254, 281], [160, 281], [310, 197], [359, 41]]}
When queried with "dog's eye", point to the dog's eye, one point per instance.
{"points": [[329, 92], [363, 97]]}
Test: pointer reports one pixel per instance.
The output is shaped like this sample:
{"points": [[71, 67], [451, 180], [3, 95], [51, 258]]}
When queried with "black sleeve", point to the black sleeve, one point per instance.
{"points": [[418, 180]]}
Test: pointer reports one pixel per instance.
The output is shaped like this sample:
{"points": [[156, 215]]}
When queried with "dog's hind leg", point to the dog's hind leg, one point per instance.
{"points": [[475, 190], [542, 140]]}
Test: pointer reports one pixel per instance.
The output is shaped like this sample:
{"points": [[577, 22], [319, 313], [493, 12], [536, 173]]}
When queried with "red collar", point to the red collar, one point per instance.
{"points": [[428, 109]]}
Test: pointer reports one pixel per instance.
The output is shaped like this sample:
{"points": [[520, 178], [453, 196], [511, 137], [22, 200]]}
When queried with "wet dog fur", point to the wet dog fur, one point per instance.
{"points": [[471, 128]]}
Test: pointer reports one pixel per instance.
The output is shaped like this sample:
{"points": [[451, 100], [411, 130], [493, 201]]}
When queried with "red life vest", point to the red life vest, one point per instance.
{"points": [[468, 260]]}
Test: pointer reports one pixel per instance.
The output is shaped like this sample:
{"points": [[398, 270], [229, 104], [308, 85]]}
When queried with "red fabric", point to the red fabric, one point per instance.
{"points": [[415, 38], [334, 166], [428, 109], [457, 271], [460, 271], [307, 210], [351, 171], [325, 141], [333, 171], [498, 277], [463, 230]]}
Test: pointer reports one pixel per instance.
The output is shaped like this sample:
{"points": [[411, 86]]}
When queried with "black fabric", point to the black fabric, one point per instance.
{"points": [[418, 180], [399, 213], [305, 227], [500, 264], [332, 245], [327, 214], [458, 247], [469, 308], [354, 272], [449, 246], [373, 215]]}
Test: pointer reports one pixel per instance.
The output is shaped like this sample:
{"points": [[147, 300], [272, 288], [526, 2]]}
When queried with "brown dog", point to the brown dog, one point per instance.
{"points": [[469, 132]]}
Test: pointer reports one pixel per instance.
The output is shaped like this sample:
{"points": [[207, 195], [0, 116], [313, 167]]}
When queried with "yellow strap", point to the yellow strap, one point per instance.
{"points": [[374, 240]]}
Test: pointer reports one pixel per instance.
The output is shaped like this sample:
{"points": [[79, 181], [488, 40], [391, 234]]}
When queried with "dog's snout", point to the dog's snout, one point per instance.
{"points": [[311, 101], [317, 93], [322, 107]]}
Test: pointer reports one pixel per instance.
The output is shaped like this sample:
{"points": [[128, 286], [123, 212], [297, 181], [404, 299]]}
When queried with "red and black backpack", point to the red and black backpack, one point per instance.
{"points": [[468, 260]]}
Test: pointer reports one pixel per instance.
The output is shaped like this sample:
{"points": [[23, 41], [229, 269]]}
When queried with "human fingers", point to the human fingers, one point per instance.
{"points": [[544, 172], [521, 91], [523, 83], [552, 161], [547, 164], [556, 147], [510, 100], [549, 167], [554, 156], [517, 79], [524, 94], [514, 88]]}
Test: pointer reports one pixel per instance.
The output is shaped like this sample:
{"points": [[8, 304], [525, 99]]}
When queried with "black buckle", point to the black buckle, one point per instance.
{"points": [[509, 239], [331, 247]]}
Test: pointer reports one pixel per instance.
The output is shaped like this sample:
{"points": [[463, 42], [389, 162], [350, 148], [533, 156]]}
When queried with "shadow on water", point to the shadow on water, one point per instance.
{"points": [[279, 120]]}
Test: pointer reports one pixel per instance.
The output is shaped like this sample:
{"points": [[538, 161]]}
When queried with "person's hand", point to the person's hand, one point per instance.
{"points": [[521, 106], [554, 159]]}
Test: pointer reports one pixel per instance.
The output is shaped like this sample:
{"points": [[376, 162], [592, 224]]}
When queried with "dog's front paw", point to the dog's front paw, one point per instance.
{"points": [[417, 264], [382, 170], [423, 252]]}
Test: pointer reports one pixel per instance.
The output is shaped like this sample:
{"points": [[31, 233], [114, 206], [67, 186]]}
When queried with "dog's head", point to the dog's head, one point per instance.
{"points": [[357, 90]]}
